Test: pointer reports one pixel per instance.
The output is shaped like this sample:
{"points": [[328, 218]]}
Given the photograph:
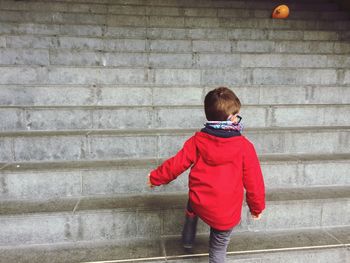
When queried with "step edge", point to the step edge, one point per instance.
{"points": [[110, 37], [88, 244], [145, 162], [162, 106], [180, 86], [97, 51], [333, 27], [162, 131], [111, 4], [71, 205]]}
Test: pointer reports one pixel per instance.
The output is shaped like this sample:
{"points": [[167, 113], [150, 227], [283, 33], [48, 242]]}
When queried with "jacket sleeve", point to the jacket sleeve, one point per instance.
{"points": [[176, 165], [253, 180]]}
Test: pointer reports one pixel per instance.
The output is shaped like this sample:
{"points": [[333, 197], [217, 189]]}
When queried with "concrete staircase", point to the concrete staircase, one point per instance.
{"points": [[95, 94]]}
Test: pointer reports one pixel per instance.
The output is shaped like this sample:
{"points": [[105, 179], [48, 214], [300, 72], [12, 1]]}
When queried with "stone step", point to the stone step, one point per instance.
{"points": [[159, 143], [60, 180], [22, 74], [324, 245], [295, 5], [297, 12], [54, 6], [291, 61], [173, 60], [14, 118], [100, 7], [106, 32], [225, 12], [168, 21], [161, 95], [75, 220], [294, 14], [225, 22], [61, 44]]}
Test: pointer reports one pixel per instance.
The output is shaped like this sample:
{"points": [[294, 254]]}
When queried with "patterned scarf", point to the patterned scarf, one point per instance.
{"points": [[224, 125]]}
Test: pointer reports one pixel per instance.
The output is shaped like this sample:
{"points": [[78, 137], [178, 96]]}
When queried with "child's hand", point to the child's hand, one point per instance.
{"points": [[150, 185], [256, 217]]}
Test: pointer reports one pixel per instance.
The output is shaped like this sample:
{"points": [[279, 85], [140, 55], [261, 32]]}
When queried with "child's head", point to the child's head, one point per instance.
{"points": [[220, 103]]}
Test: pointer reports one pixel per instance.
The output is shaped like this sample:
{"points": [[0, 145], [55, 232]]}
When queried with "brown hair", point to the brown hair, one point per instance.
{"points": [[220, 103]]}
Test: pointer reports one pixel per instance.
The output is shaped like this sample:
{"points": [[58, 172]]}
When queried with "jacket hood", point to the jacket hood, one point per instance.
{"points": [[214, 148]]}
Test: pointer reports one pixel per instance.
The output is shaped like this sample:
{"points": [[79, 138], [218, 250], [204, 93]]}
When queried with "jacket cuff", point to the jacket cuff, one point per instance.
{"points": [[153, 178], [257, 212], [254, 213]]}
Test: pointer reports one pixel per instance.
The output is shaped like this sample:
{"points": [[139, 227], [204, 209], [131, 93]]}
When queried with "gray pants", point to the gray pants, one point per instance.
{"points": [[218, 243]]}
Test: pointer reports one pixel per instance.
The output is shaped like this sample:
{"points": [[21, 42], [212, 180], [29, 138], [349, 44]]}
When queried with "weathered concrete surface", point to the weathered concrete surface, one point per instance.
{"points": [[94, 94]]}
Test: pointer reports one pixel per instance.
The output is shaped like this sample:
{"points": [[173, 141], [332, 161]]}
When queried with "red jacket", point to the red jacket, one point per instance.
{"points": [[221, 167]]}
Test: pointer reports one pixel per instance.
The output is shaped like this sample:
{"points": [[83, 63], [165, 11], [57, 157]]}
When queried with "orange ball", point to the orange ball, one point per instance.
{"points": [[281, 11]]}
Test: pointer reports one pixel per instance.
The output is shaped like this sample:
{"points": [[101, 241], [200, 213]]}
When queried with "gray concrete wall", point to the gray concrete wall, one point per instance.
{"points": [[96, 93]]}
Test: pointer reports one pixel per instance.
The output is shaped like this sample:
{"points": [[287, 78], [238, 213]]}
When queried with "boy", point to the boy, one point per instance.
{"points": [[222, 162]]}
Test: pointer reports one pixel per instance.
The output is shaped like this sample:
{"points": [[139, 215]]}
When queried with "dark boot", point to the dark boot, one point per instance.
{"points": [[189, 231]]}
